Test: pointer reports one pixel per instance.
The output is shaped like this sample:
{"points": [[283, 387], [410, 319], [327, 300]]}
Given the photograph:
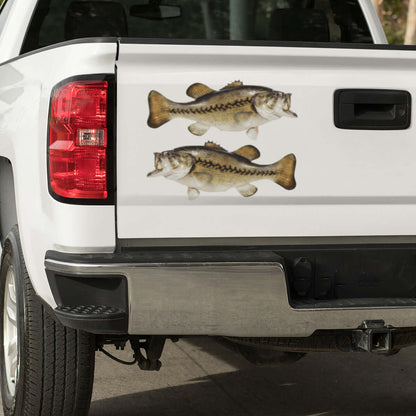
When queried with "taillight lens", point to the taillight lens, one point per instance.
{"points": [[78, 140]]}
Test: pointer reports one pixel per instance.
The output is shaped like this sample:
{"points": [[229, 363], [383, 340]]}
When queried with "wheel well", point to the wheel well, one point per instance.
{"points": [[8, 214]]}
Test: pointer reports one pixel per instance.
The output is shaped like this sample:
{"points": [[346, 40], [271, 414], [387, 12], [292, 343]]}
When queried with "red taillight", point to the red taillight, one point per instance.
{"points": [[78, 140]]}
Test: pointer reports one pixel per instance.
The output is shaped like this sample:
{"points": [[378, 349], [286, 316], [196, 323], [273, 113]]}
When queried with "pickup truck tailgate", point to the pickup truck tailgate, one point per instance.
{"points": [[349, 181]]}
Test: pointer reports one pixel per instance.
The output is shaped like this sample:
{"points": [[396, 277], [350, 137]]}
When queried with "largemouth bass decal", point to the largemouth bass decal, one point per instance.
{"points": [[235, 107], [211, 168]]}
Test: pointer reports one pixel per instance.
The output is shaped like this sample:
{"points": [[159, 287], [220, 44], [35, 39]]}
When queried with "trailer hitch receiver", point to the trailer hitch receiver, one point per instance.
{"points": [[374, 336]]}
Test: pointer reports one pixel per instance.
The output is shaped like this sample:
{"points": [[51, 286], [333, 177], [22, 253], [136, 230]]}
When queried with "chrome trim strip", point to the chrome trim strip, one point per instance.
{"points": [[81, 268]]}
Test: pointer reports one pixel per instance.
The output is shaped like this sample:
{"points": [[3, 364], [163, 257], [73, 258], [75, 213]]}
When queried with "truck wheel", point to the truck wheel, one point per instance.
{"points": [[46, 369]]}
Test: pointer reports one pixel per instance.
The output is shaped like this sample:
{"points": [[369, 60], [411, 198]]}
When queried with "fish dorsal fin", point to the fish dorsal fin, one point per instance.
{"points": [[249, 152], [213, 145], [198, 90], [233, 85]]}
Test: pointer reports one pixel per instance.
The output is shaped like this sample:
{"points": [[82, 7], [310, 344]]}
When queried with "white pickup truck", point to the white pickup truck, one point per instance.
{"points": [[240, 169]]}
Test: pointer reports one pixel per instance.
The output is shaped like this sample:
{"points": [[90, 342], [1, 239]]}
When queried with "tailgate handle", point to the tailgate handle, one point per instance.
{"points": [[364, 109]]}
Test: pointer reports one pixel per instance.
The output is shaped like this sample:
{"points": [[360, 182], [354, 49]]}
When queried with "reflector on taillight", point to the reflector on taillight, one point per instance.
{"points": [[78, 140]]}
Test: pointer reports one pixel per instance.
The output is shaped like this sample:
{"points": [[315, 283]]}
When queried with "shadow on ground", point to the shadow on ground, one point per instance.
{"points": [[320, 384]]}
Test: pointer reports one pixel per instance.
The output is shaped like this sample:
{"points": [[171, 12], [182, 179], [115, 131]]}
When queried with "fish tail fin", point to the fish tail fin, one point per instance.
{"points": [[285, 172], [159, 107]]}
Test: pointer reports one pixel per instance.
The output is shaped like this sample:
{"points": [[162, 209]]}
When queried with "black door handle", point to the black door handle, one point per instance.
{"points": [[372, 109]]}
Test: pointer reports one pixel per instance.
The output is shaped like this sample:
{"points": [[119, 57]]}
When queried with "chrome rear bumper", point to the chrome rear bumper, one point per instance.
{"points": [[241, 299]]}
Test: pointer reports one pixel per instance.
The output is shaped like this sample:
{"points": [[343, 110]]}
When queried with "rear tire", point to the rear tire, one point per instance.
{"points": [[49, 369]]}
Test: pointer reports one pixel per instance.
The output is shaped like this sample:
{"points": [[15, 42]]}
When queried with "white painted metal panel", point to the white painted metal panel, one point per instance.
{"points": [[349, 182], [44, 223]]}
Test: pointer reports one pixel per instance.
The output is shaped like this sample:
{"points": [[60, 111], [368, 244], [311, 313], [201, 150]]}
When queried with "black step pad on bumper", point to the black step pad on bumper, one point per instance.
{"points": [[93, 318]]}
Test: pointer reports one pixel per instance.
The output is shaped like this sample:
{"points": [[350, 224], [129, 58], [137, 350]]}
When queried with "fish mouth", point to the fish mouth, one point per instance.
{"points": [[289, 113], [158, 166], [287, 102], [153, 173]]}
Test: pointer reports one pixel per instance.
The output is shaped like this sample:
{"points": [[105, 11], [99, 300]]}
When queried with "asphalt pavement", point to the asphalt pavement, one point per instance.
{"points": [[202, 378]]}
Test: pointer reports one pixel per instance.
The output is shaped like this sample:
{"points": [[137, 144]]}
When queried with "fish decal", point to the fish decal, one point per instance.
{"points": [[236, 107], [211, 168]]}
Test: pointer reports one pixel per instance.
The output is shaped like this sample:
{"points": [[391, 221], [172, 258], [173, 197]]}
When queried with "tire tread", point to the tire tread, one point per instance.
{"points": [[58, 362]]}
